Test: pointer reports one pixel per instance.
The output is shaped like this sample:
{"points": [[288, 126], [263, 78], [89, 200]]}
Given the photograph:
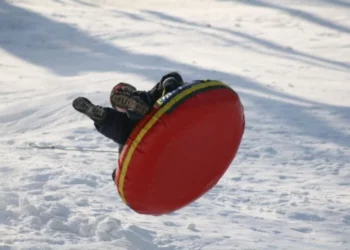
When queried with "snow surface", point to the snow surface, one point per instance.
{"points": [[289, 186]]}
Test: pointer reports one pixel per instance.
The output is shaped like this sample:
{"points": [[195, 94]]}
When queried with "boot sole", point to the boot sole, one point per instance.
{"points": [[82, 105], [129, 103], [86, 107]]}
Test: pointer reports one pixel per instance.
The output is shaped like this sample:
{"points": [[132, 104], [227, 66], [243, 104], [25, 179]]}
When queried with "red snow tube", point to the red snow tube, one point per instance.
{"points": [[181, 149]]}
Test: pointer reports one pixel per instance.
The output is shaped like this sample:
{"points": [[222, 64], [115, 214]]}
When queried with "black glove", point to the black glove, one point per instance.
{"points": [[175, 75], [171, 81]]}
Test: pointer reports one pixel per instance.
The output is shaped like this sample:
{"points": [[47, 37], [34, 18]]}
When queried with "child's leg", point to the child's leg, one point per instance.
{"points": [[116, 126]]}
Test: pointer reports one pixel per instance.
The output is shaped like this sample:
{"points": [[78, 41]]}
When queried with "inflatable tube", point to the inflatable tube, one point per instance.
{"points": [[181, 149]]}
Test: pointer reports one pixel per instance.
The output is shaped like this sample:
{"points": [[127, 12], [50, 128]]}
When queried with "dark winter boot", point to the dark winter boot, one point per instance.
{"points": [[83, 105]]}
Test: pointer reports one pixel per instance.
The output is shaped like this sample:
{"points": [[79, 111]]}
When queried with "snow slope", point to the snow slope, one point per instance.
{"points": [[288, 188]]}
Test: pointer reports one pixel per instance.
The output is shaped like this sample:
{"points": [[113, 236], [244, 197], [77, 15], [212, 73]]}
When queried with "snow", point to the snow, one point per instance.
{"points": [[288, 187]]}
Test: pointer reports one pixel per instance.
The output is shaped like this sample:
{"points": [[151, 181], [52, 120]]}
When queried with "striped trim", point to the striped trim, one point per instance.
{"points": [[164, 108]]}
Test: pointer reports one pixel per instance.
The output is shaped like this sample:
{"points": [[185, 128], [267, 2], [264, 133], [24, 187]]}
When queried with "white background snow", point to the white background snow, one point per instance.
{"points": [[289, 186]]}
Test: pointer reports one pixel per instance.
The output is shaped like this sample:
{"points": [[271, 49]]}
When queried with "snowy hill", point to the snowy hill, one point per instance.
{"points": [[289, 186]]}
